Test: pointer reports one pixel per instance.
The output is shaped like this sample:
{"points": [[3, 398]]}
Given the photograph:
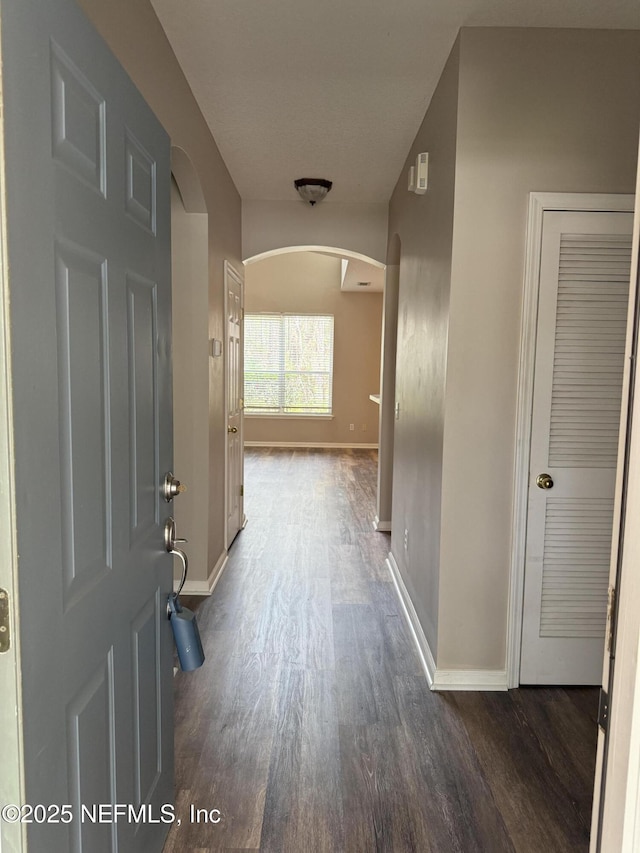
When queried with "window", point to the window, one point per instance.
{"points": [[288, 364]]}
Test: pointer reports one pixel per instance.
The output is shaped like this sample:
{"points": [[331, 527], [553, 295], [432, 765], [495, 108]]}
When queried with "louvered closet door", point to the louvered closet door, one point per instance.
{"points": [[582, 312]]}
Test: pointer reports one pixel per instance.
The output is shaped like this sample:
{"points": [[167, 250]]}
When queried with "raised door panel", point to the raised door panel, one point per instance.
{"points": [[147, 692], [92, 773], [143, 404], [140, 193], [78, 122], [85, 456]]}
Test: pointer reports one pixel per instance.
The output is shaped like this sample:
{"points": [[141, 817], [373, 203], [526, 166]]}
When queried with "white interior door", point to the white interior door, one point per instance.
{"points": [[234, 299], [87, 264], [580, 344]]}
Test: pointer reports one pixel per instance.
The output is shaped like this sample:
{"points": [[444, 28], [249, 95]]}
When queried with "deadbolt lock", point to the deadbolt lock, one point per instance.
{"points": [[232, 429], [172, 487], [544, 481]]}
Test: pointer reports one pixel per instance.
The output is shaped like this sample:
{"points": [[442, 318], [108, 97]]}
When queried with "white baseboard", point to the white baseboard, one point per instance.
{"points": [[422, 646], [382, 526], [470, 679], [205, 587], [441, 679], [309, 444]]}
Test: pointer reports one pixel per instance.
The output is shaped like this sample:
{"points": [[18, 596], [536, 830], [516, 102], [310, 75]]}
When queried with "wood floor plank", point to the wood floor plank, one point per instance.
{"points": [[233, 768], [349, 576], [303, 808], [567, 737], [537, 809], [383, 810], [363, 675], [458, 801], [295, 623], [223, 747], [399, 648]]}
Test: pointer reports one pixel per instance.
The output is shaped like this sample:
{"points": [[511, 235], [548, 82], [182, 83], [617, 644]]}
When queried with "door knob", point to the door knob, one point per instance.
{"points": [[232, 429], [544, 481], [172, 487]]}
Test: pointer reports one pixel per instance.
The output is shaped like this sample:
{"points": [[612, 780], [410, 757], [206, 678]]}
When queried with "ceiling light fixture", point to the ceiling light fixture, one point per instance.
{"points": [[312, 190]]}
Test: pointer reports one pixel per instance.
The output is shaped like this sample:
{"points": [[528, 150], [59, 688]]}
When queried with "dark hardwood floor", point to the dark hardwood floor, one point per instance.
{"points": [[311, 727]]}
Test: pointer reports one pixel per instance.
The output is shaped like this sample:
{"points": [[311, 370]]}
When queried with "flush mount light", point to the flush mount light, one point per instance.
{"points": [[312, 190]]}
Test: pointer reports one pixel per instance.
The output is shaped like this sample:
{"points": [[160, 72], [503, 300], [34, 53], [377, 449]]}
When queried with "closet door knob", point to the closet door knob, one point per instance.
{"points": [[544, 481]]}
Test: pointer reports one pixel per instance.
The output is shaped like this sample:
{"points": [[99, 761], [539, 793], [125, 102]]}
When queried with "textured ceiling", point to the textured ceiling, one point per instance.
{"points": [[335, 88]]}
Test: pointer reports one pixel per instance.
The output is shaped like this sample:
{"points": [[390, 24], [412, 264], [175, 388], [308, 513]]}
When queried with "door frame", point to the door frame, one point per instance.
{"points": [[230, 272], [616, 804], [539, 203], [12, 783]]}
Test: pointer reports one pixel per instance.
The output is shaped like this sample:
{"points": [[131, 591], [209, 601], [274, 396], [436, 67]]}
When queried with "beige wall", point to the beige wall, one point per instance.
{"points": [[425, 227], [268, 225], [190, 296], [133, 32], [309, 283], [537, 110]]}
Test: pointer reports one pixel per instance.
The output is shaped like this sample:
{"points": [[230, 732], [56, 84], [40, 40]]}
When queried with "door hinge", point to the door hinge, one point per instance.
{"points": [[241, 491], [611, 617], [5, 626], [603, 710]]}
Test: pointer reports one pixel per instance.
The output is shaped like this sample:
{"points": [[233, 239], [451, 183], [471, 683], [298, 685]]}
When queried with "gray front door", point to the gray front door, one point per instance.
{"points": [[87, 216]]}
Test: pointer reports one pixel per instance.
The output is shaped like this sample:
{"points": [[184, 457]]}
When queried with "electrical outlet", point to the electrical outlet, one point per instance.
{"points": [[397, 411], [406, 539], [352, 427]]}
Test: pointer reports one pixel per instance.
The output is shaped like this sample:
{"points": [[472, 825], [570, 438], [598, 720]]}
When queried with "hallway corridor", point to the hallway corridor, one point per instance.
{"points": [[311, 727]]}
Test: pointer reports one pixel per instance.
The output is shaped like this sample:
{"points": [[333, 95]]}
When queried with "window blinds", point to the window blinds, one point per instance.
{"points": [[288, 364]]}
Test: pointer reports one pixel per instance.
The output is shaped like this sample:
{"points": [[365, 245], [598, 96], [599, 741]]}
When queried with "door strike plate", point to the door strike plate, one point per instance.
{"points": [[603, 710], [5, 631]]}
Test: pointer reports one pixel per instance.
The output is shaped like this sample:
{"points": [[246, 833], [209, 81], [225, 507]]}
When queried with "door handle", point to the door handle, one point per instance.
{"points": [[170, 539], [544, 481], [170, 543], [232, 429]]}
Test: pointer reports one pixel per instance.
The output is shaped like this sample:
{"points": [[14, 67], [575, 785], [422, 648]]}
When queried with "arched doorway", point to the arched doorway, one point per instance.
{"points": [[315, 281]]}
